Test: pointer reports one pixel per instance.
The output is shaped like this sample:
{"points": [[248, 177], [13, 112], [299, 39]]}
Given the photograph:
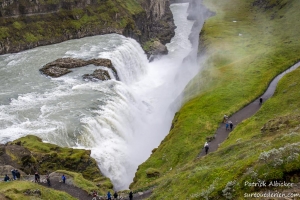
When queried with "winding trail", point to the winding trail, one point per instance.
{"points": [[244, 113]]}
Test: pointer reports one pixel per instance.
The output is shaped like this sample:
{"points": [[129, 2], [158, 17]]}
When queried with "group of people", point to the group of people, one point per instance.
{"points": [[37, 178], [115, 195], [228, 123], [15, 175]]}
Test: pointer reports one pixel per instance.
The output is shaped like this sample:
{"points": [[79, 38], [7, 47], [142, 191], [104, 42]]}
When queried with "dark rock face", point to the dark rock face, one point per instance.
{"points": [[156, 23], [62, 66]]}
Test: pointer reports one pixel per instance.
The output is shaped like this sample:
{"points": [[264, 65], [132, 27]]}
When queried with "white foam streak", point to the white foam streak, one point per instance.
{"points": [[129, 59]]}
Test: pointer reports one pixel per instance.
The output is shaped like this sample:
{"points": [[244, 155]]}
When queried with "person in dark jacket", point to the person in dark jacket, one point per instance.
{"points": [[18, 175], [206, 147], [130, 195], [48, 180], [13, 172], [116, 195], [260, 100], [36, 177], [6, 178], [230, 125]]}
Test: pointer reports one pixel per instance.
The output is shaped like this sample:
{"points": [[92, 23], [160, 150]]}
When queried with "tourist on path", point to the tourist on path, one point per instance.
{"points": [[231, 125], [6, 178], [63, 178], [227, 126], [48, 180], [206, 147], [116, 195], [95, 194], [130, 195], [13, 172], [36, 177], [18, 175], [260, 100], [225, 118], [108, 196]]}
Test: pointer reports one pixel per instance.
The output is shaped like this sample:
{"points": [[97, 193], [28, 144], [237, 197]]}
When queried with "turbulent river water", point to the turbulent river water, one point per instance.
{"points": [[119, 121]]}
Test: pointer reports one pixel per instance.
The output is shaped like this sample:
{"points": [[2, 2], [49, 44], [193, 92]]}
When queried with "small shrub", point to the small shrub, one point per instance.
{"points": [[151, 172]]}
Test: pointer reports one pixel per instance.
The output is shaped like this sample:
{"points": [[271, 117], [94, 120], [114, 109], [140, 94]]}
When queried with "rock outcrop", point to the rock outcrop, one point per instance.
{"points": [[62, 66], [98, 74], [156, 24], [29, 154]]}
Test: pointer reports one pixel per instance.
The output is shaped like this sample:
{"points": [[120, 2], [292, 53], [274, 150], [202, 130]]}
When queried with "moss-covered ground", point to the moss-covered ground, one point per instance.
{"points": [[247, 43], [19, 189]]}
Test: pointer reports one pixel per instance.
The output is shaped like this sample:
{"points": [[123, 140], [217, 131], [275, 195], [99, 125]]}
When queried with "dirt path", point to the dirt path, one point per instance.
{"points": [[244, 113]]}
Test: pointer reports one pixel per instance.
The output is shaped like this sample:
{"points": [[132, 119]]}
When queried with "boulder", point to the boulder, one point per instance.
{"points": [[62, 66], [98, 74], [156, 50]]}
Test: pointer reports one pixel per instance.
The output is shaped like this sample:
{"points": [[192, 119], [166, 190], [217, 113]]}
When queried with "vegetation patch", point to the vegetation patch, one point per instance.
{"points": [[28, 190]]}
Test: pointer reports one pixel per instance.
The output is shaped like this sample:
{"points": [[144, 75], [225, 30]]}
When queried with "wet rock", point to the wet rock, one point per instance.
{"points": [[156, 50], [62, 66], [98, 74]]}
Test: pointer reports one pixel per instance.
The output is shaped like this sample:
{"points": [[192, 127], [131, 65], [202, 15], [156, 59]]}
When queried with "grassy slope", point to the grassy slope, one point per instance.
{"points": [[236, 70], [16, 189]]}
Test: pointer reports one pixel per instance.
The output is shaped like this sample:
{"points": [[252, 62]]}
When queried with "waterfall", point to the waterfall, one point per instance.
{"points": [[119, 121], [129, 60]]}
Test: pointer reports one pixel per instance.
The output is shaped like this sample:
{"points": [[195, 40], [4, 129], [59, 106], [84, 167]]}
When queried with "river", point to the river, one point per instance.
{"points": [[119, 121]]}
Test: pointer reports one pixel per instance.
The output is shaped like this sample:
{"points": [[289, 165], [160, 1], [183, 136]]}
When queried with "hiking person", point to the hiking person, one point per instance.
{"points": [[225, 118], [227, 126], [36, 177], [48, 180], [63, 178], [18, 175], [260, 100], [94, 193], [206, 147], [130, 195], [115, 195], [231, 125], [108, 196], [6, 178], [13, 172]]}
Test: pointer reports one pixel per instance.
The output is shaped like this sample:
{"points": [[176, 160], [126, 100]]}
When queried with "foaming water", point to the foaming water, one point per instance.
{"points": [[120, 121]]}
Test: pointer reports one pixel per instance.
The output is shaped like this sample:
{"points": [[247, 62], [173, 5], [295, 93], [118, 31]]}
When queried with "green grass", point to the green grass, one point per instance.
{"points": [[241, 58], [16, 189], [87, 185]]}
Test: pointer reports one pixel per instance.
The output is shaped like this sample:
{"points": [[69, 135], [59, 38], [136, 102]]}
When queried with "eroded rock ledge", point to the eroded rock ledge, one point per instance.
{"points": [[62, 66]]}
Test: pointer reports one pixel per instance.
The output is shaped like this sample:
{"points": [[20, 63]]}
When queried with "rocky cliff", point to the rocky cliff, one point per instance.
{"points": [[26, 24]]}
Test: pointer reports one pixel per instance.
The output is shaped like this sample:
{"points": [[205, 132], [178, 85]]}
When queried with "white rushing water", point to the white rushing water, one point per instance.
{"points": [[120, 121]]}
